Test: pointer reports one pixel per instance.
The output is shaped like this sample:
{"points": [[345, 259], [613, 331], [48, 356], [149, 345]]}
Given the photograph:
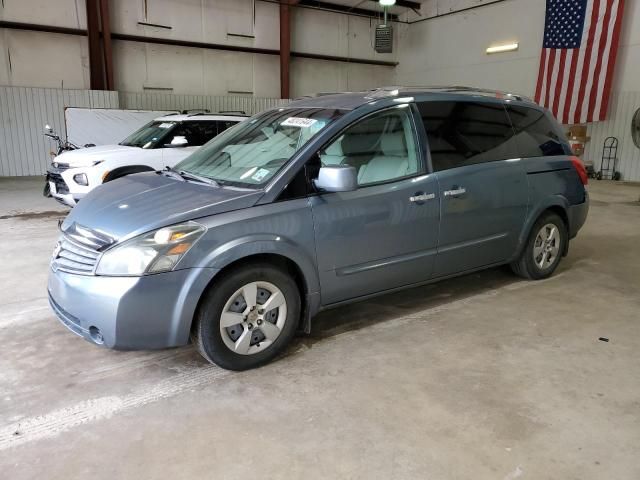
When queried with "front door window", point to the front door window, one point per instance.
{"points": [[381, 148]]}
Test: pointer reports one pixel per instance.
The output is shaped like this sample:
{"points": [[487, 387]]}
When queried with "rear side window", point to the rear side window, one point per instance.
{"points": [[466, 133], [535, 133]]}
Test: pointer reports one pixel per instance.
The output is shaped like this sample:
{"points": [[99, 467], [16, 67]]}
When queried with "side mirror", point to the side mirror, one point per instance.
{"points": [[337, 178], [178, 141]]}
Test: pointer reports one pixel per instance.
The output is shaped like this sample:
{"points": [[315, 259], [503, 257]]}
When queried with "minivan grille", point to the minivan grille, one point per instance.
{"points": [[72, 257], [78, 250]]}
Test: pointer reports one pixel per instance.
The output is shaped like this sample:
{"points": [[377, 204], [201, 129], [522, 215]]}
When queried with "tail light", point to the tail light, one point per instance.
{"points": [[580, 170]]}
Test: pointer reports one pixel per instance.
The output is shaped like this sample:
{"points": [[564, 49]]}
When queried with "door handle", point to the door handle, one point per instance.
{"points": [[422, 197], [455, 192]]}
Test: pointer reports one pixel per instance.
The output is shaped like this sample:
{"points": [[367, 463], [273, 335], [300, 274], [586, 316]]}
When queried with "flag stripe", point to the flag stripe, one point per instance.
{"points": [[566, 118], [606, 55], [543, 63], [606, 92], [543, 95], [559, 82], [550, 65], [586, 66], [579, 91], [595, 91]]}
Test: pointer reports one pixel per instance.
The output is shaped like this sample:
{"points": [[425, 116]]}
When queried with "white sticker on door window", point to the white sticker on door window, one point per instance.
{"points": [[298, 122]]}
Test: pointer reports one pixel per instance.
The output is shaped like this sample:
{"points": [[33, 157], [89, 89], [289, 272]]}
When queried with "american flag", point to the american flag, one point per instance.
{"points": [[578, 57]]}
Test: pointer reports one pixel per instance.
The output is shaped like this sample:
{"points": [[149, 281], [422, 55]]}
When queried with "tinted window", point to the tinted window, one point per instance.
{"points": [[380, 147], [149, 136], [465, 133], [197, 133], [223, 125], [535, 133]]}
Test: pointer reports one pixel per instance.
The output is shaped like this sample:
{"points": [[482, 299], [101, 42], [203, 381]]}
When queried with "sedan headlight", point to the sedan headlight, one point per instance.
{"points": [[153, 252]]}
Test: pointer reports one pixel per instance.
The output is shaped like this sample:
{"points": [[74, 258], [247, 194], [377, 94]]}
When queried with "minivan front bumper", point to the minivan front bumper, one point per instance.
{"points": [[125, 313]]}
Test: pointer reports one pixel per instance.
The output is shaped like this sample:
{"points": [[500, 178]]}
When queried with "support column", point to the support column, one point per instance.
{"points": [[106, 43], [285, 45], [96, 66]]}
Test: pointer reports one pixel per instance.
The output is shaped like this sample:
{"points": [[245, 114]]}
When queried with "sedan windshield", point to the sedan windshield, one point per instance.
{"points": [[250, 153], [148, 136]]}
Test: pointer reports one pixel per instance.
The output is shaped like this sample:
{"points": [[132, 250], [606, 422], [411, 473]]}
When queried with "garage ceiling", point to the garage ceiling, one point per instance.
{"points": [[400, 7]]}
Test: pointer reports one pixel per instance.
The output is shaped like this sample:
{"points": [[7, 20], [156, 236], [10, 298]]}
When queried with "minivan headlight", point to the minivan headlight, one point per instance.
{"points": [[154, 252]]}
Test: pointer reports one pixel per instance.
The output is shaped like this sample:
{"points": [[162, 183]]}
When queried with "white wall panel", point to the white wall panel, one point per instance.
{"points": [[43, 60], [451, 49], [166, 101], [621, 109], [59, 13], [310, 76], [46, 59]]}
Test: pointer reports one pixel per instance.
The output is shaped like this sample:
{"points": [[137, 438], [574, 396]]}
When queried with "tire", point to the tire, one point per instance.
{"points": [[531, 264], [250, 337]]}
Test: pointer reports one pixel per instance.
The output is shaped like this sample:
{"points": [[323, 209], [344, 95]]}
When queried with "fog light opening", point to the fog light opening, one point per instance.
{"points": [[96, 335]]}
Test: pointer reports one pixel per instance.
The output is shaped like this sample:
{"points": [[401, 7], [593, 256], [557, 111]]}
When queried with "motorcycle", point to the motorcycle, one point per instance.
{"points": [[62, 146]]}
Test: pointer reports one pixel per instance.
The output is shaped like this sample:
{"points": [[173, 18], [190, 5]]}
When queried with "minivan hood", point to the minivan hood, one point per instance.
{"points": [[85, 157], [139, 203]]}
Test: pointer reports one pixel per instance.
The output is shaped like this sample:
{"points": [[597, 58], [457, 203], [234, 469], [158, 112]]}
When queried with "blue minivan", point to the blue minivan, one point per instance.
{"points": [[324, 201]]}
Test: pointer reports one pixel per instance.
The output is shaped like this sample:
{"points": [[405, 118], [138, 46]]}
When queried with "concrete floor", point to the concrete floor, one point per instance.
{"points": [[484, 377]]}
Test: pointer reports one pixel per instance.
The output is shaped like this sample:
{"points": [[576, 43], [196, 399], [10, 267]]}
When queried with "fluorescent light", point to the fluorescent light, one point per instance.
{"points": [[387, 3], [508, 47]]}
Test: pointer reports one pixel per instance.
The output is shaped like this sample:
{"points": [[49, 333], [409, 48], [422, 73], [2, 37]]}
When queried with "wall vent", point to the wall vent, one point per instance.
{"points": [[384, 39]]}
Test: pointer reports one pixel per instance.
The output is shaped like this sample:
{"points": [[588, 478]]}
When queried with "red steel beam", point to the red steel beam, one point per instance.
{"points": [[96, 70], [106, 43], [285, 47]]}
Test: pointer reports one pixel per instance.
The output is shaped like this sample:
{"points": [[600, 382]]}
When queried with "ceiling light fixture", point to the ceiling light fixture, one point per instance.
{"points": [[387, 3], [509, 47]]}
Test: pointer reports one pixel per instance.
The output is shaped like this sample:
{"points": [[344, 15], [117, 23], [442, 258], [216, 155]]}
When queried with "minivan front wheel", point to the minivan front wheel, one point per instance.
{"points": [[544, 249], [247, 317]]}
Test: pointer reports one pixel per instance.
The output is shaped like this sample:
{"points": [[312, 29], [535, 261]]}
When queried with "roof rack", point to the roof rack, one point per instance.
{"points": [[196, 111], [466, 89], [232, 112]]}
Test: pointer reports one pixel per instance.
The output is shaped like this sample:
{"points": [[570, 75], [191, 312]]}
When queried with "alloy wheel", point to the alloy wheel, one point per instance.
{"points": [[546, 247]]}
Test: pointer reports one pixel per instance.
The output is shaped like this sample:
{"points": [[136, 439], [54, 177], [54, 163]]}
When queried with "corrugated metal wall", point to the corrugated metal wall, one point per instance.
{"points": [[24, 150], [623, 106]]}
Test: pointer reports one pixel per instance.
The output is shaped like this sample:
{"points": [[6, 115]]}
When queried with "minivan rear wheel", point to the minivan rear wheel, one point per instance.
{"points": [[247, 317], [544, 249]]}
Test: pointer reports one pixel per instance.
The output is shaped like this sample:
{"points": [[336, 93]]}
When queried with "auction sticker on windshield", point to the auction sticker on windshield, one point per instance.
{"points": [[260, 174], [166, 125], [298, 122]]}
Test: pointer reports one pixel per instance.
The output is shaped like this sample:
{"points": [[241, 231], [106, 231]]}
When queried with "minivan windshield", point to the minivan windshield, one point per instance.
{"points": [[250, 153], [150, 135]]}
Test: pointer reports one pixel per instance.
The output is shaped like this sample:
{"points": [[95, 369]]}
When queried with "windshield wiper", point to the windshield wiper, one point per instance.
{"points": [[198, 178], [172, 173]]}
